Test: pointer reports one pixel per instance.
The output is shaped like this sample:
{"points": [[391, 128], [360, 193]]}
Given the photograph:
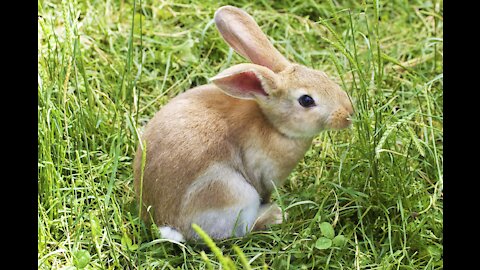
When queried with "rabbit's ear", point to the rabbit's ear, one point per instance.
{"points": [[244, 35], [246, 81]]}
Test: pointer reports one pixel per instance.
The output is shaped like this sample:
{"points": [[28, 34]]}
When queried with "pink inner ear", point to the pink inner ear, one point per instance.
{"points": [[242, 84], [248, 82]]}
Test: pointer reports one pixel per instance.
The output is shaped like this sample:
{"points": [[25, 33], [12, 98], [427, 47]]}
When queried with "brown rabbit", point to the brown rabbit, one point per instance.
{"points": [[214, 153]]}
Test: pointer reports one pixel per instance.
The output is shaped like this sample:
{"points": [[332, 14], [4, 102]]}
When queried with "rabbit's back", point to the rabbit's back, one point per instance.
{"points": [[193, 131]]}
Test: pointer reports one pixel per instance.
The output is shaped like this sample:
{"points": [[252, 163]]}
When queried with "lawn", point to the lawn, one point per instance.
{"points": [[106, 66]]}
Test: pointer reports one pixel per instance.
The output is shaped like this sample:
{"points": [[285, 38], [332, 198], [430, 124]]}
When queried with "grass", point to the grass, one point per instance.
{"points": [[105, 67]]}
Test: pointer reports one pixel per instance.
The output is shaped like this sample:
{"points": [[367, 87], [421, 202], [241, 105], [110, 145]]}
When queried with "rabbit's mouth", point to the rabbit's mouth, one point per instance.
{"points": [[340, 119]]}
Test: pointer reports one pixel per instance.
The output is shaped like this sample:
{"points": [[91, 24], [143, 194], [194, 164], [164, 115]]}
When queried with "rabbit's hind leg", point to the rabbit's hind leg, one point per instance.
{"points": [[222, 203]]}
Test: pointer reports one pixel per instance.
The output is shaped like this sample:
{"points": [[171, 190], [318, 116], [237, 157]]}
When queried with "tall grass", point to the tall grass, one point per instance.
{"points": [[105, 67]]}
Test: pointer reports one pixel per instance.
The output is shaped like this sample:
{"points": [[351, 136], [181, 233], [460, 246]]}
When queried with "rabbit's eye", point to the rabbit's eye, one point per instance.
{"points": [[306, 101]]}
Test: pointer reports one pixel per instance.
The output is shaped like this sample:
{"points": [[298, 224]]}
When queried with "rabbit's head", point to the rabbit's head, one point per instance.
{"points": [[298, 101]]}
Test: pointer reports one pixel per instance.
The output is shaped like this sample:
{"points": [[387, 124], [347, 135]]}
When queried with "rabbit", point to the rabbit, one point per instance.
{"points": [[214, 153]]}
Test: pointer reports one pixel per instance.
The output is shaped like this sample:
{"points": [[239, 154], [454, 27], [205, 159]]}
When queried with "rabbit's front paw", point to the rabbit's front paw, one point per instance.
{"points": [[269, 214]]}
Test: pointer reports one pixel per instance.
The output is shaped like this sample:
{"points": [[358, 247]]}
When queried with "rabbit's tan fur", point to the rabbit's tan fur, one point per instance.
{"points": [[215, 152]]}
